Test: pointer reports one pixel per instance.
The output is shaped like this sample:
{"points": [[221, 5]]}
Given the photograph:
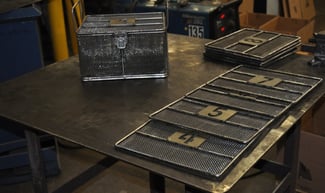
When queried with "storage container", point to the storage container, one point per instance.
{"points": [[252, 47], [20, 48], [122, 46]]}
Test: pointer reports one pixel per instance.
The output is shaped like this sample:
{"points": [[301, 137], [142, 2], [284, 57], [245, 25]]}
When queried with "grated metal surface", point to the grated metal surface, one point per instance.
{"points": [[244, 103], [233, 132], [123, 46], [281, 86], [99, 24], [214, 145], [213, 155], [252, 46], [208, 130], [241, 120], [255, 89], [171, 153]]}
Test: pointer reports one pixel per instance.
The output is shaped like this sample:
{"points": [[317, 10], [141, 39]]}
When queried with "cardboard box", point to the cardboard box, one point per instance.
{"points": [[311, 167], [302, 9], [246, 6], [254, 20], [285, 8], [300, 27]]}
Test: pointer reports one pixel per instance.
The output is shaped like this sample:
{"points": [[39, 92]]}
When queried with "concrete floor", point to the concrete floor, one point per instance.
{"points": [[123, 178]]}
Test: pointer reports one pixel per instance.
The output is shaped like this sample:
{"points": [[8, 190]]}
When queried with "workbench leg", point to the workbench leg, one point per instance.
{"points": [[36, 162], [291, 155], [157, 183], [86, 176]]}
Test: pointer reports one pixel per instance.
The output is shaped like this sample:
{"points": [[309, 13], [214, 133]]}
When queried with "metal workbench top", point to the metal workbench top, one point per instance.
{"points": [[97, 114]]}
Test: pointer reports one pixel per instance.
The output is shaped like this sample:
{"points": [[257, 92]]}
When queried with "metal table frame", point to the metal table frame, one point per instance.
{"points": [[33, 103]]}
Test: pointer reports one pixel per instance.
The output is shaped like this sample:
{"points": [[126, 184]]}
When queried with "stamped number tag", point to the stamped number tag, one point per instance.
{"points": [[253, 41], [265, 81], [218, 113], [188, 139]]}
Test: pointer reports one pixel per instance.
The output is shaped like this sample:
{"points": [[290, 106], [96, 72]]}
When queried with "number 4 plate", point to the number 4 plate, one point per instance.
{"points": [[188, 139]]}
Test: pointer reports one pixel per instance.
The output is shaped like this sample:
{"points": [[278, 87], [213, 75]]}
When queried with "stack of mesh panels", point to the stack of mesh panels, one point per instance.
{"points": [[208, 130], [252, 47]]}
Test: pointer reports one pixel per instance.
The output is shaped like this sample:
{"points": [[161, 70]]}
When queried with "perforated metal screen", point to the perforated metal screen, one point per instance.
{"points": [[209, 129], [252, 47]]}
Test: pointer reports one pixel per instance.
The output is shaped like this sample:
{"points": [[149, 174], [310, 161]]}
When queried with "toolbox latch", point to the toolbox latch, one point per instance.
{"points": [[121, 40]]}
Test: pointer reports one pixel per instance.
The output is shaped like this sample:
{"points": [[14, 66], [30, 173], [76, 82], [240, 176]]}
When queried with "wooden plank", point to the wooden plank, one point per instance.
{"points": [[295, 9], [285, 8]]}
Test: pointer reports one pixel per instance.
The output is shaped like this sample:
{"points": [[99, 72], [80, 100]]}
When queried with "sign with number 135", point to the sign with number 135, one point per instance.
{"points": [[196, 31]]}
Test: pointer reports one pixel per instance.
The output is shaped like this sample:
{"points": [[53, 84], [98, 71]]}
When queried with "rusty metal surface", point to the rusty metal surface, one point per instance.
{"points": [[97, 114], [9, 5]]}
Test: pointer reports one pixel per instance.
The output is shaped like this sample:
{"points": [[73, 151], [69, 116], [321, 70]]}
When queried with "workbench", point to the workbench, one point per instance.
{"points": [[96, 115]]}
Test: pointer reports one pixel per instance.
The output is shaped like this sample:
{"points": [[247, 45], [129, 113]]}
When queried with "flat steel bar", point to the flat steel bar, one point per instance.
{"points": [[36, 162]]}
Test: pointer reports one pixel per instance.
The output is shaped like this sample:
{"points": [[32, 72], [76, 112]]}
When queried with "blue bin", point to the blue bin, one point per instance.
{"points": [[20, 53], [20, 48]]}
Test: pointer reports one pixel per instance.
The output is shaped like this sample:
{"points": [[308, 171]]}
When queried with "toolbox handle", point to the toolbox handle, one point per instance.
{"points": [[78, 13]]}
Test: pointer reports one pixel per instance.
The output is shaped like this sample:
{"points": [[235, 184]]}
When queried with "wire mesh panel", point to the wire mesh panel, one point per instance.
{"points": [[222, 121], [281, 86], [252, 46], [209, 129], [192, 151], [123, 46]]}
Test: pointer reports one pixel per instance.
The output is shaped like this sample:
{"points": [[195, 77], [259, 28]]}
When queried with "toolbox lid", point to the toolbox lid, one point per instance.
{"points": [[130, 22]]}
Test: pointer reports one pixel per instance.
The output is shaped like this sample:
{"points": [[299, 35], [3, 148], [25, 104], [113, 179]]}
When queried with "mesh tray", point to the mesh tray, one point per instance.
{"points": [[208, 130], [211, 158], [212, 95], [249, 61], [281, 86], [239, 125], [251, 46]]}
